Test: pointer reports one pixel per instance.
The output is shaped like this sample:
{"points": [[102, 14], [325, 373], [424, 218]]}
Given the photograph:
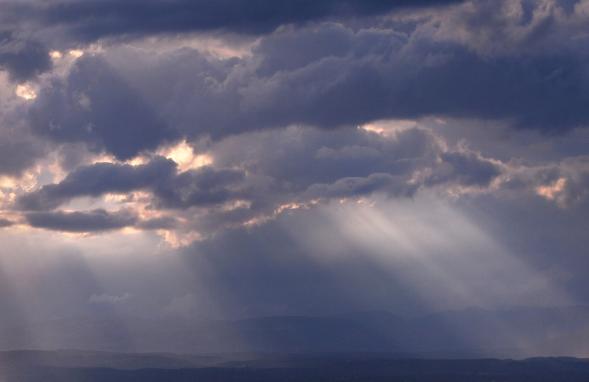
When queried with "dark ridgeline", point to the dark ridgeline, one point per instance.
{"points": [[55, 366]]}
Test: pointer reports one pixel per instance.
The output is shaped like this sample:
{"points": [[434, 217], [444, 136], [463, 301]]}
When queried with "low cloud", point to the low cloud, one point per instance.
{"points": [[92, 221]]}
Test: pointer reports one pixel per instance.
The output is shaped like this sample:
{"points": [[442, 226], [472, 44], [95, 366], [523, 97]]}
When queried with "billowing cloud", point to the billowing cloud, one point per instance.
{"points": [[332, 76], [95, 106], [247, 182]]}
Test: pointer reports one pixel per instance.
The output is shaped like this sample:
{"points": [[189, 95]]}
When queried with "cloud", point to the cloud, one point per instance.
{"points": [[421, 77], [22, 58], [5, 223], [564, 183], [202, 187], [465, 168], [91, 221], [333, 76], [18, 151], [355, 187], [98, 179], [88, 21], [95, 106], [165, 222], [354, 155], [127, 101], [247, 182], [171, 189]]}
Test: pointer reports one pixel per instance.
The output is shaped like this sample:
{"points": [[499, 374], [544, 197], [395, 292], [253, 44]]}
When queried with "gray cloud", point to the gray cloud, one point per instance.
{"points": [[92, 221], [309, 165], [88, 21], [95, 106], [171, 189], [5, 223], [202, 187], [355, 187], [18, 151], [98, 179], [480, 200], [306, 165], [22, 58], [340, 77], [325, 75]]}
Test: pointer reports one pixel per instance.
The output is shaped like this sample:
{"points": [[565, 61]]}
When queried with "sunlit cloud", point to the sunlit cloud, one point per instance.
{"points": [[76, 53], [388, 128], [55, 54], [552, 191], [183, 154], [26, 92]]}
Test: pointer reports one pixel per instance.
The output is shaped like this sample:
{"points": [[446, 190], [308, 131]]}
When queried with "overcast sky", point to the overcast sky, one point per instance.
{"points": [[239, 158]]}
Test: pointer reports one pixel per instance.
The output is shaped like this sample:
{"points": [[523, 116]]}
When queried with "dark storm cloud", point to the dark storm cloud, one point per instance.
{"points": [[22, 58], [92, 221], [204, 186], [98, 179], [97, 220], [88, 21], [418, 78], [327, 75], [95, 106]]}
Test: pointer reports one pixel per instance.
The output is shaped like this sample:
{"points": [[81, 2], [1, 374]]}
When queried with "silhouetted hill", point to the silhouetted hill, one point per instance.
{"points": [[66, 366]]}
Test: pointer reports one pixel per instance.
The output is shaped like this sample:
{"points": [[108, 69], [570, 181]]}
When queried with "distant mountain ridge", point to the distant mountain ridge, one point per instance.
{"points": [[76, 366]]}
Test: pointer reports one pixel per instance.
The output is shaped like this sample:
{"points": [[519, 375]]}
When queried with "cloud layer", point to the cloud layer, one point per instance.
{"points": [[243, 158]]}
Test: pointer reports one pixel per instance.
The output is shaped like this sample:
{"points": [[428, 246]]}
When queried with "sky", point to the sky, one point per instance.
{"points": [[246, 158]]}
